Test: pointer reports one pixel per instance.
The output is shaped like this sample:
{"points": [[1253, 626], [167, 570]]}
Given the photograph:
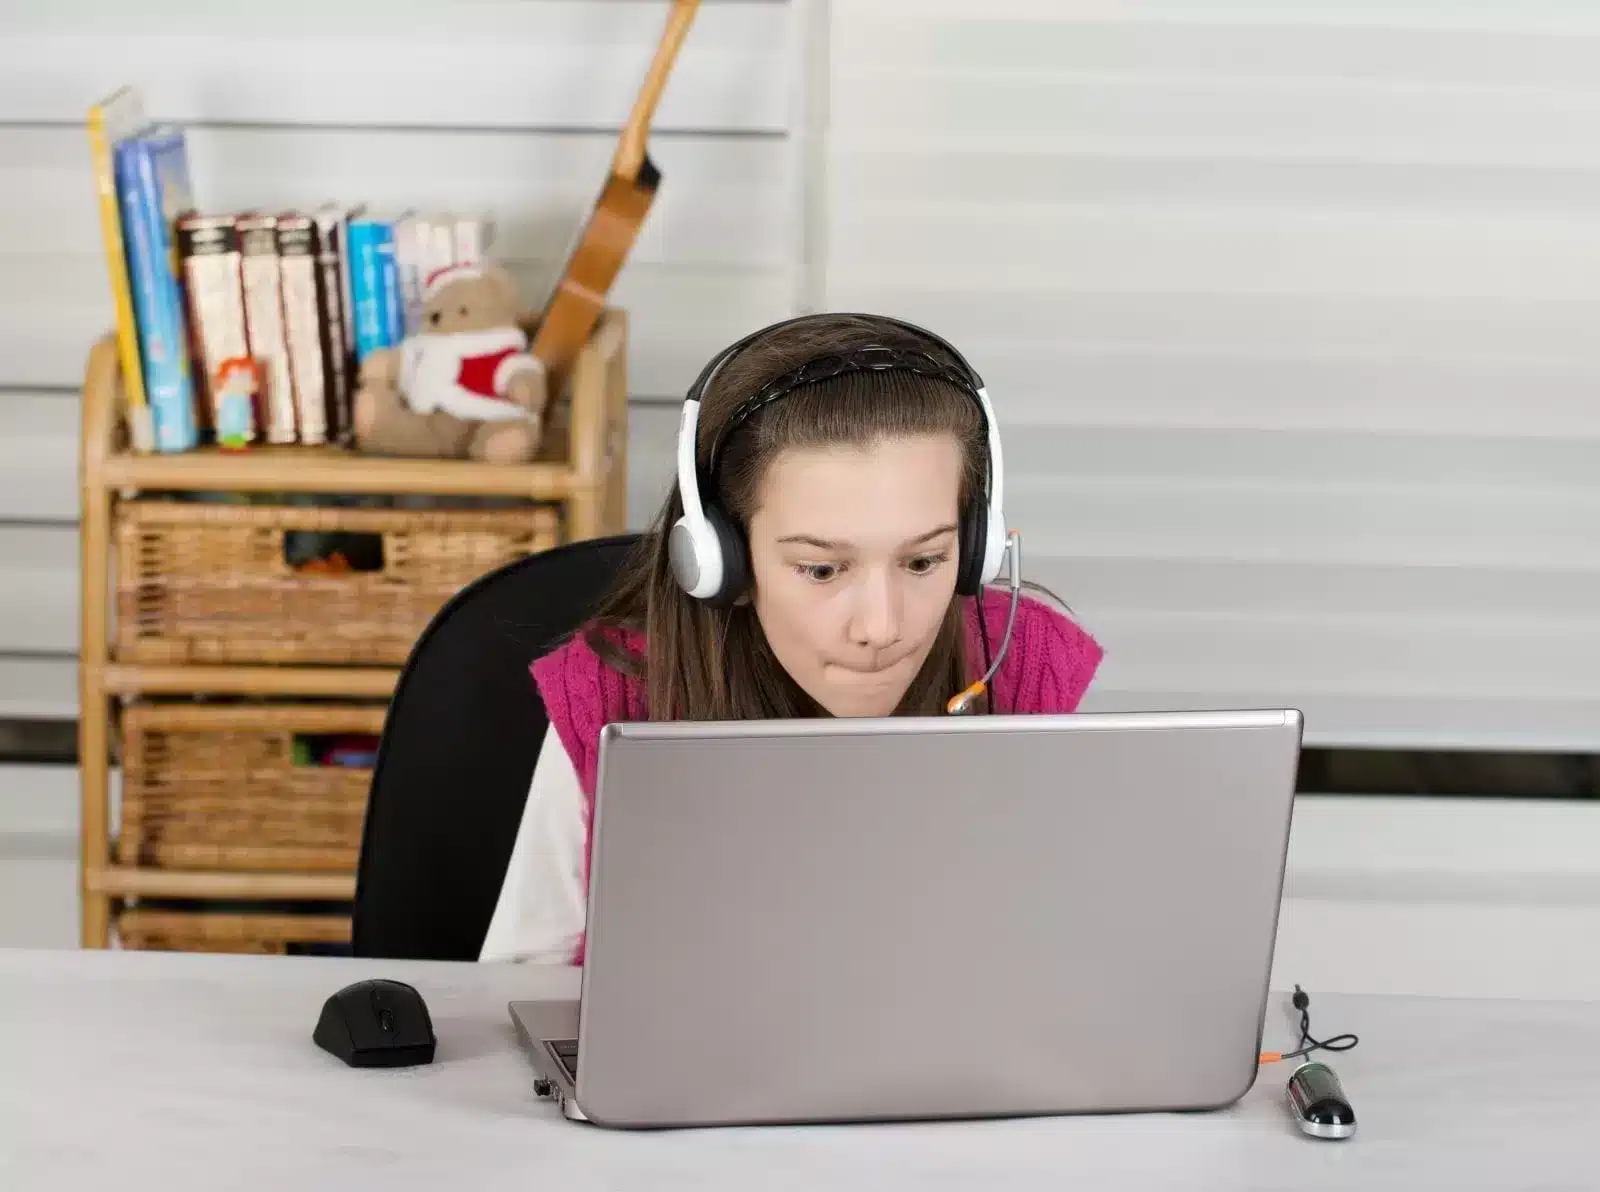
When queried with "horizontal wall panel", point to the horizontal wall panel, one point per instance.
{"points": [[1207, 454], [554, 63], [1379, 721], [1553, 16], [1140, 517], [1389, 836], [1226, 251], [721, 202], [39, 687], [1382, 330], [1462, 366], [1315, 119], [39, 598], [40, 799], [1272, 388], [38, 456], [53, 308], [1238, 53], [652, 460], [1313, 656], [1472, 598], [1125, 179]]}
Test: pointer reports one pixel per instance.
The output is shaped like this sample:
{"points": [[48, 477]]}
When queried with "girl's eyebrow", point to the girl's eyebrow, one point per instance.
{"points": [[830, 544]]}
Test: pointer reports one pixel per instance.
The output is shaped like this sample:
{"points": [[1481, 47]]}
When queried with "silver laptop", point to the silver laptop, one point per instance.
{"points": [[913, 919]]}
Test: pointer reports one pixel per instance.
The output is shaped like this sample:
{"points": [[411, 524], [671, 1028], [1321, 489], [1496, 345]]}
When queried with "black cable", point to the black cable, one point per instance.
{"points": [[1302, 1003]]}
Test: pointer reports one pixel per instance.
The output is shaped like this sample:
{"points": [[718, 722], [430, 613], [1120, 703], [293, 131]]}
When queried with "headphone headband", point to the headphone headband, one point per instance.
{"points": [[707, 552], [872, 358]]}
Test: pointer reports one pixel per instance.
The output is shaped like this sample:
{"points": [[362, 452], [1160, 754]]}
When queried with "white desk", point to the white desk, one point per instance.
{"points": [[142, 1070]]}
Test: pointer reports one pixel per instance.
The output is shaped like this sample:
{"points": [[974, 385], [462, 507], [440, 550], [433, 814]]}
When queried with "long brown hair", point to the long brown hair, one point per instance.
{"points": [[707, 663]]}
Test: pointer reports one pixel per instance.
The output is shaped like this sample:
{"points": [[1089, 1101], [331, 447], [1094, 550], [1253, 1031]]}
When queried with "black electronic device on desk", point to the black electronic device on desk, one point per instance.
{"points": [[1316, 1098], [376, 1024], [1318, 1102]]}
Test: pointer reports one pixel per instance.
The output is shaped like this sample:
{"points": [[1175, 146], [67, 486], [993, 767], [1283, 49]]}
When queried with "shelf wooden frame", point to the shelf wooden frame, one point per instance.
{"points": [[582, 470]]}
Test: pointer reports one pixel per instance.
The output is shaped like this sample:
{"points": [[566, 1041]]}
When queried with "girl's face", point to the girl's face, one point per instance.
{"points": [[853, 552]]}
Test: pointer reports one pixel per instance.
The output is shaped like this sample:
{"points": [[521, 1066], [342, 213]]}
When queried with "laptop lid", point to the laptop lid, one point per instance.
{"points": [[916, 918]]}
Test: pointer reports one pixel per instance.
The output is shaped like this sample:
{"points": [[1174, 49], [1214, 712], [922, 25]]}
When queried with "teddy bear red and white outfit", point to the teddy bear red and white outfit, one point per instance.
{"points": [[465, 373]]}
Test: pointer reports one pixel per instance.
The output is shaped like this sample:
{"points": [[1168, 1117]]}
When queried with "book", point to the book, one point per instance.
{"points": [[263, 313], [307, 331], [474, 238], [438, 244], [410, 262], [371, 252], [333, 289], [152, 179], [213, 284], [111, 120]]}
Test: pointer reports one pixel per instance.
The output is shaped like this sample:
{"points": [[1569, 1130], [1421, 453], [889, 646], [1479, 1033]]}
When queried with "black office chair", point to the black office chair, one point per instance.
{"points": [[459, 744]]}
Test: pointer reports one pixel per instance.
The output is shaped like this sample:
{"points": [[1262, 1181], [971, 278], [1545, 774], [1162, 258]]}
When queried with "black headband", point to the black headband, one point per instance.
{"points": [[871, 358]]}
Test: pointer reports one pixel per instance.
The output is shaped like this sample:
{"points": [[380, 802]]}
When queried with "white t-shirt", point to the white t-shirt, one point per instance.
{"points": [[540, 913]]}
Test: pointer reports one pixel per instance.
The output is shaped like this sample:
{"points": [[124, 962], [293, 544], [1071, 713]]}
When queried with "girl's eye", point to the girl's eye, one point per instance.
{"points": [[818, 573], [924, 564]]}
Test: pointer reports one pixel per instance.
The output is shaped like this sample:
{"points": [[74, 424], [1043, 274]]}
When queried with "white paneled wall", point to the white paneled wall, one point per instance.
{"points": [[1290, 312], [508, 109], [1289, 307]]}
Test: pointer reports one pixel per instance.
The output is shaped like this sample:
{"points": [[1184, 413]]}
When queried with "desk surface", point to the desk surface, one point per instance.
{"points": [[174, 1071]]}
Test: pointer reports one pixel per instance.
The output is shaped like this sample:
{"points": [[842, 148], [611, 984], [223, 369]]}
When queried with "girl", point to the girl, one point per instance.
{"points": [[831, 560]]}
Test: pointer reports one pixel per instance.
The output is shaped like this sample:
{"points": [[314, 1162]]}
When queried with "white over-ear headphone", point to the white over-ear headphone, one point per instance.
{"points": [[707, 549]]}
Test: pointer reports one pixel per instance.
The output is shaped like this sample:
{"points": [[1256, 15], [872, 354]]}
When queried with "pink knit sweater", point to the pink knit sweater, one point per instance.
{"points": [[1047, 669]]}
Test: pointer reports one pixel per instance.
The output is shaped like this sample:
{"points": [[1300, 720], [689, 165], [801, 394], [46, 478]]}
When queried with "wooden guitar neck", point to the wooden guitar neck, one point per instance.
{"points": [[580, 296], [631, 145]]}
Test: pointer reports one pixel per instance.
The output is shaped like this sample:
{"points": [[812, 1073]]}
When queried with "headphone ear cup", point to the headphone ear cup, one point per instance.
{"points": [[735, 561], [969, 572]]}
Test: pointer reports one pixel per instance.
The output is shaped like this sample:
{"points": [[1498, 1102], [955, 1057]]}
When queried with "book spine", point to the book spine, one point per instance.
{"points": [[394, 307], [346, 215], [168, 160], [208, 251], [409, 263], [339, 342], [473, 237], [371, 251], [305, 327], [263, 312], [438, 244], [157, 301], [110, 122]]}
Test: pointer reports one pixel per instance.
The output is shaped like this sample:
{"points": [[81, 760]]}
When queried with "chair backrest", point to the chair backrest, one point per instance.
{"points": [[460, 740]]}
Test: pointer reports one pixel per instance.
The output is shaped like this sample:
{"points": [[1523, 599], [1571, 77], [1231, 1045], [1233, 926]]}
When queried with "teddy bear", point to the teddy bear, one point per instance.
{"points": [[463, 386]]}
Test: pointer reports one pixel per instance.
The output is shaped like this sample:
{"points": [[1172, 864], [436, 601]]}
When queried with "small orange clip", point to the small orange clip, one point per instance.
{"points": [[959, 702]]}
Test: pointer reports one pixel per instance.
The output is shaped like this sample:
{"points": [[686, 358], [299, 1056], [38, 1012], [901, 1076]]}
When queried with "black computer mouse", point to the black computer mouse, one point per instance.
{"points": [[376, 1024]]}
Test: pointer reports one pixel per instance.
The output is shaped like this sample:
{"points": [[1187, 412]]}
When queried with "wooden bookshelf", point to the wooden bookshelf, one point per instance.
{"points": [[581, 472]]}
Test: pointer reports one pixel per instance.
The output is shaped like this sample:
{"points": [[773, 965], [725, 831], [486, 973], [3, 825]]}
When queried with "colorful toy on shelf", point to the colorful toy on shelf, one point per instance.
{"points": [[465, 385], [236, 387]]}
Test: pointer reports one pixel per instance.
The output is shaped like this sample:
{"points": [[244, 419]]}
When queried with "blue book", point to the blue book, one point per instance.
{"points": [[394, 307], [374, 285], [153, 188]]}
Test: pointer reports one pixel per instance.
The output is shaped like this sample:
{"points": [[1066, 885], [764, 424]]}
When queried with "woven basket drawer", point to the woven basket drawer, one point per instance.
{"points": [[225, 787], [264, 934], [206, 583]]}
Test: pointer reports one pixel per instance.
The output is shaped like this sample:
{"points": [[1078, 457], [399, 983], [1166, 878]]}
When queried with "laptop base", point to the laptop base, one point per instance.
{"points": [[553, 1059]]}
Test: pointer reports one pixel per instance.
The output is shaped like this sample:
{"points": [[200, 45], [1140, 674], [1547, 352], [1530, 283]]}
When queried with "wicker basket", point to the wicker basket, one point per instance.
{"points": [[221, 787], [209, 931], [206, 583]]}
